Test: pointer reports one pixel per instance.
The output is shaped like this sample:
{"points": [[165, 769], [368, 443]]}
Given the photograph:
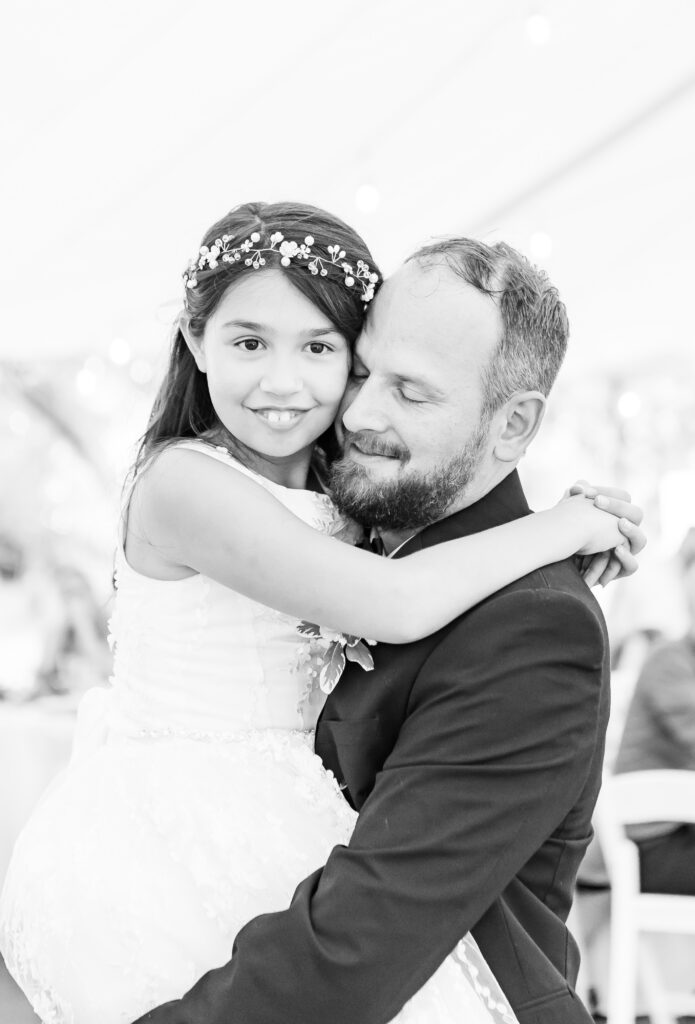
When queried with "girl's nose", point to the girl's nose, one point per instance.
{"points": [[281, 377]]}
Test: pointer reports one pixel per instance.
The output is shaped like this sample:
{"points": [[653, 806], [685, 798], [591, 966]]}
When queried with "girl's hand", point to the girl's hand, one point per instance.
{"points": [[621, 561], [594, 530]]}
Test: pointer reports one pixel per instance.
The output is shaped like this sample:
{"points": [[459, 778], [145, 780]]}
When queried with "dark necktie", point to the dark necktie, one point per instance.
{"points": [[374, 543]]}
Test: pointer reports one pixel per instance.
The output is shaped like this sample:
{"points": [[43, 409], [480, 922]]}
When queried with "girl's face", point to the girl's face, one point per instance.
{"points": [[276, 366]]}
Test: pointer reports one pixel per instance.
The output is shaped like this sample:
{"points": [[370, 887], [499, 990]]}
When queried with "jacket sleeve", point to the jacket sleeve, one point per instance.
{"points": [[493, 753]]}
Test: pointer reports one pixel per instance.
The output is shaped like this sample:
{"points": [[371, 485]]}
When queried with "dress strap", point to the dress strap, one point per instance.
{"points": [[217, 452], [222, 454]]}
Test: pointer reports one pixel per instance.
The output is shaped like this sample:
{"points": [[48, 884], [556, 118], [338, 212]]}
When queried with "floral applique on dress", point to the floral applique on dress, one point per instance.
{"points": [[331, 650]]}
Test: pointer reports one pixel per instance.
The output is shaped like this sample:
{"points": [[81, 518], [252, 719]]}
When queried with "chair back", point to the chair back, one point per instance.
{"points": [[657, 795], [636, 798]]}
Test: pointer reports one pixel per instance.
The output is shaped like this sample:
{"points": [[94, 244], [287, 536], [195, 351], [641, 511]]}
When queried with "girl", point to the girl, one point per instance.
{"points": [[194, 801]]}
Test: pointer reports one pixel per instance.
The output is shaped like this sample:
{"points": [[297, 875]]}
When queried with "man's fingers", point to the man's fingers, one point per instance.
{"points": [[619, 507], [616, 564], [597, 566], [612, 572], [628, 563], [637, 538]]}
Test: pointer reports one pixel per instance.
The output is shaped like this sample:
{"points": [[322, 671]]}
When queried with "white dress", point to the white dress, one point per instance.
{"points": [[193, 802]]}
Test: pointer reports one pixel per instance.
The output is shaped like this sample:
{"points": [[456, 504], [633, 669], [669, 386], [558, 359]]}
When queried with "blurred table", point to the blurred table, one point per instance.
{"points": [[35, 741]]}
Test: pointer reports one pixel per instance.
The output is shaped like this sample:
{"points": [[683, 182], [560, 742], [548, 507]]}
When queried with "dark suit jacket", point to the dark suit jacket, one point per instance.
{"points": [[474, 757]]}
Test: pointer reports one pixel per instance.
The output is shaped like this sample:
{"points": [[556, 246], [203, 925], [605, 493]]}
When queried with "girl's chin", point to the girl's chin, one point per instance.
{"points": [[280, 446], [276, 433]]}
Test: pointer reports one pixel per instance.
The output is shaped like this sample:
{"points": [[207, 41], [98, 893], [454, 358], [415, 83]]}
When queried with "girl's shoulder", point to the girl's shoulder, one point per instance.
{"points": [[176, 463], [173, 450], [171, 494], [176, 477]]}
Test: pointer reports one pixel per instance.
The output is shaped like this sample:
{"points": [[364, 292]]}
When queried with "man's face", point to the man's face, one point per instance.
{"points": [[414, 439]]}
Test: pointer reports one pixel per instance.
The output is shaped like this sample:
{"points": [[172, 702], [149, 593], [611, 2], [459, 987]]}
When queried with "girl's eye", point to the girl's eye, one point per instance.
{"points": [[317, 348], [248, 344]]}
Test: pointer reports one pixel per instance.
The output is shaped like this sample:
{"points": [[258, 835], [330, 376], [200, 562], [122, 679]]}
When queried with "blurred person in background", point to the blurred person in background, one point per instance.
{"points": [[82, 656], [660, 733], [30, 620]]}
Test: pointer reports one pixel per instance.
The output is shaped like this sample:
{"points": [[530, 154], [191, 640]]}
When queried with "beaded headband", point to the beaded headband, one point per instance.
{"points": [[210, 257]]}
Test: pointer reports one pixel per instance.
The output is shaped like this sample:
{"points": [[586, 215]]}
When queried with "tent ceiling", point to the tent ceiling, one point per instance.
{"points": [[131, 127]]}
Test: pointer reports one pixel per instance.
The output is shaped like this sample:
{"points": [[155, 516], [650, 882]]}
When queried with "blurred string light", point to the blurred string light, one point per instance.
{"points": [[540, 246], [538, 29], [629, 405], [367, 198], [120, 352], [88, 379]]}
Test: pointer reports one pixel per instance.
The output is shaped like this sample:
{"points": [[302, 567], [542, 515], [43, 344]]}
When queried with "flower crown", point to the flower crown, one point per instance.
{"points": [[210, 257]]}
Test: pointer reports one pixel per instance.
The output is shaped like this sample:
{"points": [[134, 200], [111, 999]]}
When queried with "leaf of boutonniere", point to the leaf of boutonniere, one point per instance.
{"points": [[360, 654], [332, 669], [308, 629]]}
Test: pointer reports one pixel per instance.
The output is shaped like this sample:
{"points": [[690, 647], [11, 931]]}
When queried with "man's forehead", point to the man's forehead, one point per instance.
{"points": [[429, 306]]}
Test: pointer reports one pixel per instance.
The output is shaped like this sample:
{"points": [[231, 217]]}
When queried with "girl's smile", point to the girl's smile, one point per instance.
{"points": [[280, 418]]}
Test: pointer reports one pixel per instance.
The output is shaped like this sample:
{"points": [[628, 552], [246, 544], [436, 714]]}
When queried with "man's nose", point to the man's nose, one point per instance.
{"points": [[281, 377], [363, 409]]}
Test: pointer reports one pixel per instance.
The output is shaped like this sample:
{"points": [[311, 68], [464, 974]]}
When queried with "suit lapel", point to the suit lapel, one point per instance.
{"points": [[360, 721]]}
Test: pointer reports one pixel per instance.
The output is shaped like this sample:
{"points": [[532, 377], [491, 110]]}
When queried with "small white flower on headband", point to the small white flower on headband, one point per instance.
{"points": [[209, 258]]}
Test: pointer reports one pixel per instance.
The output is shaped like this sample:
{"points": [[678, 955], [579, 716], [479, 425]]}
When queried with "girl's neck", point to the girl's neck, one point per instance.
{"points": [[289, 471]]}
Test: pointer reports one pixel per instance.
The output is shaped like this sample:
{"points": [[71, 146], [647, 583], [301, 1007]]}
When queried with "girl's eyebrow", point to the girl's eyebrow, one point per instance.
{"points": [[252, 325], [248, 325]]}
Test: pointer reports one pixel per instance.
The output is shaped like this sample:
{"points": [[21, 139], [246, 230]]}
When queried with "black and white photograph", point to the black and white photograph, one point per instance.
{"points": [[347, 512]]}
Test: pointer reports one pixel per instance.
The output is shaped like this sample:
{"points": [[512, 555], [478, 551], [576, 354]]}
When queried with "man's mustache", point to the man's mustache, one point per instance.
{"points": [[372, 444]]}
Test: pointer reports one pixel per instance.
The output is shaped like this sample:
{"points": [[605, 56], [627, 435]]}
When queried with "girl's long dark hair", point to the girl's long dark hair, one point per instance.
{"points": [[183, 407]]}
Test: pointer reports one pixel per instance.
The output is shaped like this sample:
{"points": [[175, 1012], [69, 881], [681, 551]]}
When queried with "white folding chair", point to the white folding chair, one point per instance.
{"points": [[631, 799]]}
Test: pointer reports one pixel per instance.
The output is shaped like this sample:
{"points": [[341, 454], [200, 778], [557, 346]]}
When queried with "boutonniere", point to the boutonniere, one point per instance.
{"points": [[333, 651]]}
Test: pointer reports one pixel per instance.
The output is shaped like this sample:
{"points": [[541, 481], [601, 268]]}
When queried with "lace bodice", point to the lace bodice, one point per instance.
{"points": [[194, 657]]}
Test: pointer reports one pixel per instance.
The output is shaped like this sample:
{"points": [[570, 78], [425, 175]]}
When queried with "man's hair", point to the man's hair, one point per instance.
{"points": [[534, 320]]}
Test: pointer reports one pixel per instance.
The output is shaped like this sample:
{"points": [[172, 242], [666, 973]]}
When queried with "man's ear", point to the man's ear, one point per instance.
{"points": [[194, 343], [520, 419]]}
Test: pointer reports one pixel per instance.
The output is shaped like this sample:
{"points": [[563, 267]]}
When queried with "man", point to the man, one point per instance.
{"points": [[473, 756], [660, 733]]}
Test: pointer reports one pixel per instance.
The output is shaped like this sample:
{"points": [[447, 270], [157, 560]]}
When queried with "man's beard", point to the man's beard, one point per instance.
{"points": [[412, 501]]}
